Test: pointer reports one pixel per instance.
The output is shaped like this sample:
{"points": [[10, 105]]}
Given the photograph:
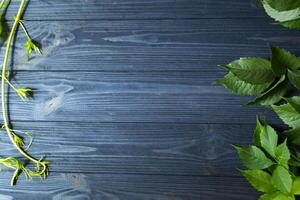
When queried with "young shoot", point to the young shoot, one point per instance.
{"points": [[24, 93], [30, 45], [41, 166]]}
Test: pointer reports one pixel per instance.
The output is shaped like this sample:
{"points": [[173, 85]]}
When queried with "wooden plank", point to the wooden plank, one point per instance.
{"points": [[181, 188], [150, 45], [128, 187], [135, 148], [137, 9], [177, 97]]}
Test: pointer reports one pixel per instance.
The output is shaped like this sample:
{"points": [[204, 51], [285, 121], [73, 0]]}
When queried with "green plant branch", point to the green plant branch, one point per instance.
{"points": [[2, 3], [39, 163], [10, 84], [25, 30]]}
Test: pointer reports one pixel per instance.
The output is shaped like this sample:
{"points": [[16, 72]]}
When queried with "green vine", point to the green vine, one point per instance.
{"points": [[24, 93]]}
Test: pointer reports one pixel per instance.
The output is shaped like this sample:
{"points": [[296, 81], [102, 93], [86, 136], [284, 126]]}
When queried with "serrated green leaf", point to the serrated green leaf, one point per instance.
{"points": [[281, 16], [282, 180], [294, 77], [277, 196], [291, 24], [288, 115], [252, 70], [284, 5], [272, 95], [294, 102], [266, 137], [282, 59], [258, 129], [259, 179], [253, 158], [293, 135], [283, 155], [284, 11], [269, 139], [234, 84]]}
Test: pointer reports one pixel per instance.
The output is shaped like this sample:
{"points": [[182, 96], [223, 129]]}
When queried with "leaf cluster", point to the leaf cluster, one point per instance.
{"points": [[271, 166], [286, 12], [267, 165], [268, 80], [289, 113]]}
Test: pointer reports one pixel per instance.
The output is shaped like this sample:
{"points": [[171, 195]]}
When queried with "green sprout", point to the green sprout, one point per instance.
{"points": [[30, 45], [18, 166], [24, 93], [41, 169]]}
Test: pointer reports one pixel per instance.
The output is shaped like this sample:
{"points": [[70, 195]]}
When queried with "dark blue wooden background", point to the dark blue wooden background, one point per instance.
{"points": [[126, 107]]}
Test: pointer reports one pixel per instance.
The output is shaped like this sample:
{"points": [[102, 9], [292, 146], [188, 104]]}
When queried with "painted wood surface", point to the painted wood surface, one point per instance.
{"points": [[125, 104], [80, 186], [138, 9], [150, 45], [143, 148], [178, 97]]}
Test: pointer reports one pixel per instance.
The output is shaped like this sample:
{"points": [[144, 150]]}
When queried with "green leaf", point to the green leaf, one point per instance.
{"points": [[282, 60], [252, 70], [24, 93], [296, 186], [281, 16], [266, 137], [284, 11], [288, 115], [259, 179], [294, 77], [291, 24], [283, 154], [283, 5], [294, 102], [273, 95], [293, 135], [282, 180], [253, 158], [234, 84], [258, 129], [277, 196], [32, 46]]}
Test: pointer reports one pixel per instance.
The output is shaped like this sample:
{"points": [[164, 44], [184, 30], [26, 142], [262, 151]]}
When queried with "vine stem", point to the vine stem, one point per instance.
{"points": [[3, 97], [25, 30], [2, 3]]}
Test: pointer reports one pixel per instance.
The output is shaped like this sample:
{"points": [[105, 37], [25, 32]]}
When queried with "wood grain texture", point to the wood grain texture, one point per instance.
{"points": [[125, 106], [135, 148], [177, 97], [137, 9], [150, 45], [79, 186]]}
